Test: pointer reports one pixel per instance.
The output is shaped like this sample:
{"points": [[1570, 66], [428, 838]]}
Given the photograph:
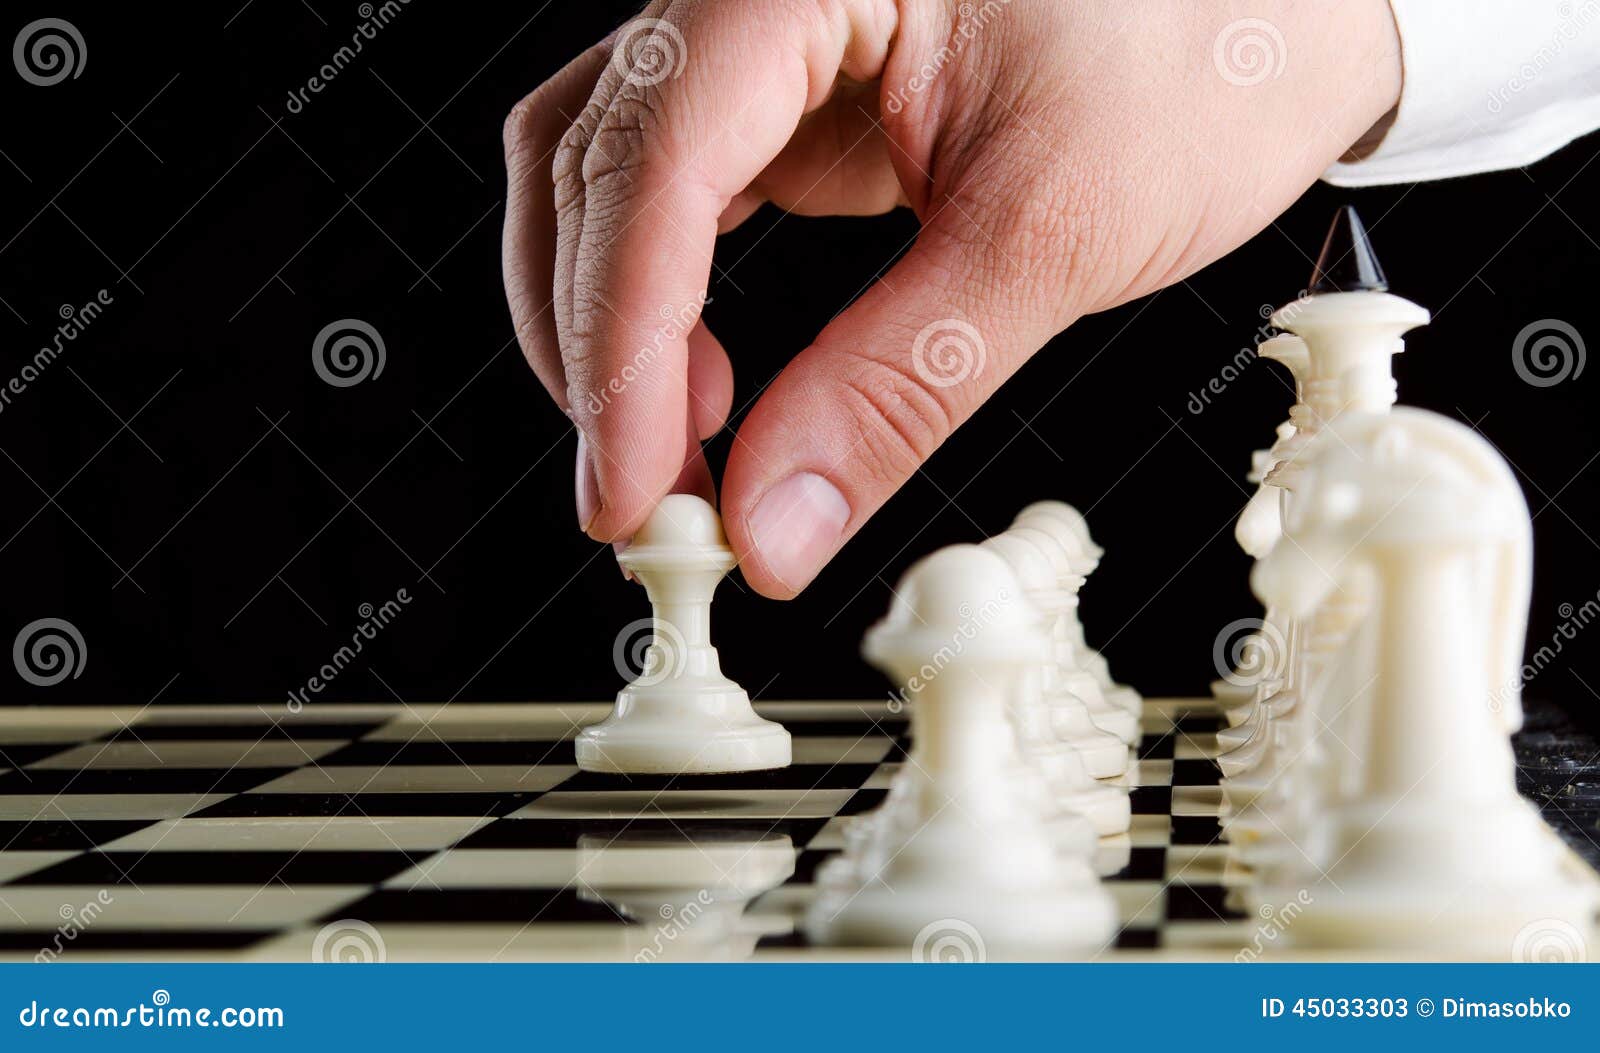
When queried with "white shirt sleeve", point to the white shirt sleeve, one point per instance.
{"points": [[1488, 85]]}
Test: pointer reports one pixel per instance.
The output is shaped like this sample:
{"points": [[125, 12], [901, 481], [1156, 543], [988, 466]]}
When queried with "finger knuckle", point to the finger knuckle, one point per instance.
{"points": [[529, 129], [518, 123], [621, 139], [901, 421], [566, 167]]}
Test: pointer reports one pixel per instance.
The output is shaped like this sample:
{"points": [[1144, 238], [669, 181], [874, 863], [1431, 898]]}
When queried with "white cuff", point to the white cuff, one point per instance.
{"points": [[1489, 84]]}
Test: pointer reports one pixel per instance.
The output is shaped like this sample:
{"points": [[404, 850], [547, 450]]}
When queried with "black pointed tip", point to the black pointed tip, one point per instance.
{"points": [[1347, 263]]}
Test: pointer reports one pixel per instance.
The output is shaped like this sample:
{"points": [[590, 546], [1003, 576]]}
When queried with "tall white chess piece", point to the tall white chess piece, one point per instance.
{"points": [[1423, 844], [681, 714], [1350, 339], [1258, 529]]}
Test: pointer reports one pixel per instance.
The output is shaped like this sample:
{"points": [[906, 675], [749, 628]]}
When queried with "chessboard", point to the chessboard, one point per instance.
{"points": [[467, 832]]}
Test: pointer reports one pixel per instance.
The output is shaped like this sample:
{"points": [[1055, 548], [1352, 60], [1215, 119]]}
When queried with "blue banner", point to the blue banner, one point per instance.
{"points": [[782, 1006]]}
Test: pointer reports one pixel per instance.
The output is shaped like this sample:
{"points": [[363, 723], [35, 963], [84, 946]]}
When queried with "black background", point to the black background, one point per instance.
{"points": [[185, 441]]}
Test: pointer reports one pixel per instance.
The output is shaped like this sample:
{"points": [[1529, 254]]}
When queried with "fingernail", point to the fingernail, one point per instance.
{"points": [[796, 526], [586, 487]]}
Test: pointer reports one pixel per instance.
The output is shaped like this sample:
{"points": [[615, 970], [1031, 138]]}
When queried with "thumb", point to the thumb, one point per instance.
{"points": [[855, 414]]}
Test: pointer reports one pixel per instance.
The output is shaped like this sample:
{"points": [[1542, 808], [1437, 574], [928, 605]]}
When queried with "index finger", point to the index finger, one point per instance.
{"points": [[701, 101]]}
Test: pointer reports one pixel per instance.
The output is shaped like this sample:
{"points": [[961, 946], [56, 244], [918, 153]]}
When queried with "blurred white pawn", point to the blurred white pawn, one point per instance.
{"points": [[1068, 527], [1048, 714], [1075, 809], [1071, 675], [975, 852]]}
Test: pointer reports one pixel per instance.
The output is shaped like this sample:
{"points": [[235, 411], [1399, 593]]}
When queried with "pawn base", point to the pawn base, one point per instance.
{"points": [[704, 733], [945, 922]]}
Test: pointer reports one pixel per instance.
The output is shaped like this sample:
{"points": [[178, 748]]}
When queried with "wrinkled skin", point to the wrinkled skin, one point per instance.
{"points": [[1062, 158]]}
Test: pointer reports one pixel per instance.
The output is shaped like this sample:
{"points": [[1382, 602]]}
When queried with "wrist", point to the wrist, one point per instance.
{"points": [[1384, 60]]}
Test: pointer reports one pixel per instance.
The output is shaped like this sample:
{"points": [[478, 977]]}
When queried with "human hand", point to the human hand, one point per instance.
{"points": [[1062, 158]]}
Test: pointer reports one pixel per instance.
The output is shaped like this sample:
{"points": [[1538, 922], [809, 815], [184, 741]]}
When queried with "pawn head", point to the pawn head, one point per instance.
{"points": [[963, 601], [1067, 520]]}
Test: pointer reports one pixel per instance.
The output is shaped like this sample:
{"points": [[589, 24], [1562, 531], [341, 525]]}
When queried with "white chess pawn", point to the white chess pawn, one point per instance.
{"points": [[1074, 659], [1074, 808], [681, 714], [975, 857], [1071, 531], [1052, 717], [1065, 514]]}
